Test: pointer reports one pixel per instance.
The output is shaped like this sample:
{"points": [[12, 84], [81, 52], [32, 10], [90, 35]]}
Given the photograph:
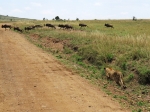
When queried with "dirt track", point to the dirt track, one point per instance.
{"points": [[32, 80]]}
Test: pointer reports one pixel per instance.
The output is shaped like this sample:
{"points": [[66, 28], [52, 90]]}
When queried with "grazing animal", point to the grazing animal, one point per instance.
{"points": [[82, 25], [18, 29], [38, 26], [117, 76], [61, 26], [33, 27], [50, 25], [109, 25], [6, 26], [68, 27], [28, 28]]}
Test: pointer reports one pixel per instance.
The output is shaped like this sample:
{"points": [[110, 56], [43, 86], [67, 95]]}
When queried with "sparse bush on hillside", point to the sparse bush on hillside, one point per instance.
{"points": [[76, 57], [144, 75], [67, 50], [89, 54], [109, 57], [102, 71], [122, 63], [137, 54], [130, 77], [105, 58]]}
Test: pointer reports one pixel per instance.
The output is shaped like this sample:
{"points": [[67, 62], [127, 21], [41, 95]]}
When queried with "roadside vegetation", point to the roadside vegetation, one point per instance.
{"points": [[89, 50]]}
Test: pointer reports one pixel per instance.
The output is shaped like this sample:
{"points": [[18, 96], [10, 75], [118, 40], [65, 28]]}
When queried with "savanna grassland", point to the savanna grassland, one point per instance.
{"points": [[88, 50]]}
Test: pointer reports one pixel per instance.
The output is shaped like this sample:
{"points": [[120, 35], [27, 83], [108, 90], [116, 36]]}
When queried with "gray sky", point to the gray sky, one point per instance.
{"points": [[72, 9]]}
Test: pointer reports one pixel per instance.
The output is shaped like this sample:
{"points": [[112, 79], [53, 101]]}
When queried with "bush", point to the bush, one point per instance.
{"points": [[102, 71], [89, 54], [124, 65], [144, 75], [137, 54], [130, 77], [67, 50], [109, 57], [104, 58]]}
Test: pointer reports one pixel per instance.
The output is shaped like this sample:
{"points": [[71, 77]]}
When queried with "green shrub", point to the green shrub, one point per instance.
{"points": [[89, 54], [130, 77], [144, 75], [104, 58], [122, 62], [76, 58], [124, 65], [102, 71], [137, 54], [140, 103], [109, 57], [67, 50]]}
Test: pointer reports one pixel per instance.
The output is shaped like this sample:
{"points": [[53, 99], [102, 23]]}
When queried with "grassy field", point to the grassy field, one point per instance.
{"points": [[125, 48]]}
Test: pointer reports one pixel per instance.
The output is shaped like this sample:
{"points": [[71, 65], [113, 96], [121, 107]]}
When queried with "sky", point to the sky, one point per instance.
{"points": [[73, 9]]}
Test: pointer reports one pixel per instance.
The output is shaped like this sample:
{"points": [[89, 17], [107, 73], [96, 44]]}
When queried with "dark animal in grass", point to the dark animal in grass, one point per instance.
{"points": [[109, 25], [28, 28], [38, 26], [61, 26], [18, 29], [50, 25], [68, 27], [82, 25], [6, 26]]}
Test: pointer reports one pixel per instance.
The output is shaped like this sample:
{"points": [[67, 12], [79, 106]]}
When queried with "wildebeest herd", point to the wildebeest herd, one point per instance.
{"points": [[60, 26]]}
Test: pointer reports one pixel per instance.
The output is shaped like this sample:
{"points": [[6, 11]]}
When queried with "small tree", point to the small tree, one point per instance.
{"points": [[134, 18], [77, 19], [57, 18], [43, 19]]}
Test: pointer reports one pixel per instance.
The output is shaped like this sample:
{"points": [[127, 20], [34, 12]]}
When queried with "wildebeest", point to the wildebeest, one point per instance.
{"points": [[18, 29], [66, 26], [6, 26], [82, 25], [29, 28], [117, 76], [61, 26], [109, 25], [50, 25], [38, 26]]}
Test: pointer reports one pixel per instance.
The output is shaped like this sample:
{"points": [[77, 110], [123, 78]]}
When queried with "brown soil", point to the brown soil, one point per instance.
{"points": [[32, 80]]}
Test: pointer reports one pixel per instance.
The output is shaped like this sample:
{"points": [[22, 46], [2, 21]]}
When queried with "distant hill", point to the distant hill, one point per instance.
{"points": [[11, 18]]}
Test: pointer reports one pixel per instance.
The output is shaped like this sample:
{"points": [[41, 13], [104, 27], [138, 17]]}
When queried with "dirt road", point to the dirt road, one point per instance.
{"points": [[32, 80]]}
